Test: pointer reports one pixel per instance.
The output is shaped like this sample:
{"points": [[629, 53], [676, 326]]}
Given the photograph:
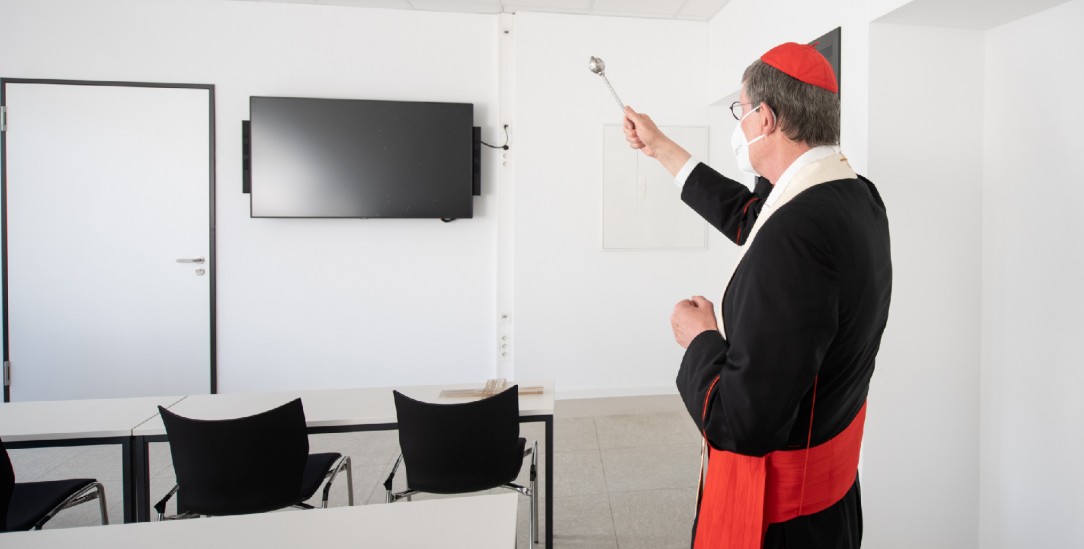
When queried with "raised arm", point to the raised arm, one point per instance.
{"points": [[642, 133], [724, 203]]}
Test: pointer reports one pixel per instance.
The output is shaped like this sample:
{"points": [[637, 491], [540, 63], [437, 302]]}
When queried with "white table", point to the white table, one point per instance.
{"points": [[58, 420], [329, 409], [336, 411], [48, 423], [477, 522]]}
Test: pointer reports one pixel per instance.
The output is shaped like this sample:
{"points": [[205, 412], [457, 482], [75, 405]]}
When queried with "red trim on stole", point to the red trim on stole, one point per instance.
{"points": [[744, 494]]}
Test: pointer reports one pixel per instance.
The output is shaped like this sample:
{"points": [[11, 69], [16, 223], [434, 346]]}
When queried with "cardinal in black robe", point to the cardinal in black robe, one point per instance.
{"points": [[779, 389]]}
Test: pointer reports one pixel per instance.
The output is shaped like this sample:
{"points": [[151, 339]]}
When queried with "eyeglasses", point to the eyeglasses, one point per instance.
{"points": [[735, 109]]}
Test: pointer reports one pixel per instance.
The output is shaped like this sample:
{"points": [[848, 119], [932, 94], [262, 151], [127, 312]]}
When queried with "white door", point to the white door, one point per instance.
{"points": [[108, 187]]}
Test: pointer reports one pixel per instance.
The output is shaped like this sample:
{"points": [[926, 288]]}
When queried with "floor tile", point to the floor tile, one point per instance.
{"points": [[578, 473], [362, 447], [575, 434], [32, 464], [653, 519], [102, 462], [651, 467], [534, 430], [583, 522], [367, 484], [657, 429], [160, 459]]}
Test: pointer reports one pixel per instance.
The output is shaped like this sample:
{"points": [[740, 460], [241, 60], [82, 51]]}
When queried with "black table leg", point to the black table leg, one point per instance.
{"points": [[136, 472], [127, 488], [549, 482]]}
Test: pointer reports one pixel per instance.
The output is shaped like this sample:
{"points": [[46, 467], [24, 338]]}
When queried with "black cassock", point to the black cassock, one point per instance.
{"points": [[809, 299]]}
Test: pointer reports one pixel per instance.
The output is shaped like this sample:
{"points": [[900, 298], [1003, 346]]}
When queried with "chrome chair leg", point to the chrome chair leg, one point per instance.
{"points": [[102, 505], [531, 490], [342, 464], [534, 493], [160, 507], [392, 497], [87, 493], [389, 497], [349, 482]]}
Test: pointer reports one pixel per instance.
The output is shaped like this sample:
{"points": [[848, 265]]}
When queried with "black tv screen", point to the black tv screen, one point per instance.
{"points": [[360, 158]]}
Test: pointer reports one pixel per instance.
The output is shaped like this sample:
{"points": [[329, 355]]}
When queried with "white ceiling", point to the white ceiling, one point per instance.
{"points": [[965, 14], [695, 10]]}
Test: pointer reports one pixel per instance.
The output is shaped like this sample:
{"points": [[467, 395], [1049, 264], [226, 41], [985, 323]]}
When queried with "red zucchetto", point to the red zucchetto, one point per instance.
{"points": [[804, 63]]}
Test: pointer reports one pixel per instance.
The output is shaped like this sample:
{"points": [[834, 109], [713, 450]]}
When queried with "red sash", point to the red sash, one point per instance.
{"points": [[742, 495]]}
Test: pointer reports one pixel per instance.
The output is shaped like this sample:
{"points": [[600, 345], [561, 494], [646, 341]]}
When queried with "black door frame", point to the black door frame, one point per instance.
{"points": [[211, 263]]}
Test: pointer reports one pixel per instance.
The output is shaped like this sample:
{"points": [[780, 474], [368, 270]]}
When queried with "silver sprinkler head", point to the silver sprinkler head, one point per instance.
{"points": [[597, 66]]}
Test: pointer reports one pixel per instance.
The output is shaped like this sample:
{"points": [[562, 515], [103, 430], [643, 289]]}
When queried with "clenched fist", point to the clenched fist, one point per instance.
{"points": [[691, 318]]}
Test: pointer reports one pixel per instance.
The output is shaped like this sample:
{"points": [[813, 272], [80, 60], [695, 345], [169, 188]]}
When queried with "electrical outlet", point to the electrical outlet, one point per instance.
{"points": [[504, 346]]}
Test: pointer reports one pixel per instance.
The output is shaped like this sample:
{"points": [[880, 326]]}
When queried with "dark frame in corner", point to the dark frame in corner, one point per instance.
{"points": [[829, 45], [246, 157]]}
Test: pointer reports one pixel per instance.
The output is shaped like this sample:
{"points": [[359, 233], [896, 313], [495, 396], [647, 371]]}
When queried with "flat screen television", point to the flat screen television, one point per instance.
{"points": [[360, 158]]}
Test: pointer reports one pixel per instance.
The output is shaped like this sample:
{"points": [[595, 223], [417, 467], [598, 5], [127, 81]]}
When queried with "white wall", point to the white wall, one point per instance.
{"points": [[304, 302], [925, 132], [598, 321], [325, 303], [1033, 206]]}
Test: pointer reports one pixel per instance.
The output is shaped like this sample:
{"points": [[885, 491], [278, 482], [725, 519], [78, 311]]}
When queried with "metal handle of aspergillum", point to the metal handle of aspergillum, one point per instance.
{"points": [[598, 66]]}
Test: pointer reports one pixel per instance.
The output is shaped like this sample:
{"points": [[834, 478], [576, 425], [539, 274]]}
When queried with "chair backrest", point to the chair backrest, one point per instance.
{"points": [[456, 448], [246, 465], [7, 486]]}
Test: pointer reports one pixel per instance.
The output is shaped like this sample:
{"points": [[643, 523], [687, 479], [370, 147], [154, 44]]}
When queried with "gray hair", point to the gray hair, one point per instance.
{"points": [[805, 113]]}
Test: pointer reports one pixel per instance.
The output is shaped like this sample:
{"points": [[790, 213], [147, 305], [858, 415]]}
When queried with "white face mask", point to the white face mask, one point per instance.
{"points": [[741, 146]]}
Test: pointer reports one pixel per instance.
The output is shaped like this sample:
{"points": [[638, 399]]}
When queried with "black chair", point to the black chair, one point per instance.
{"points": [[460, 448], [29, 505], [246, 465]]}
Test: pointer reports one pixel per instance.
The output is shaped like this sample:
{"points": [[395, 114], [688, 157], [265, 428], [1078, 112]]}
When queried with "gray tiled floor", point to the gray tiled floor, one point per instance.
{"points": [[625, 472]]}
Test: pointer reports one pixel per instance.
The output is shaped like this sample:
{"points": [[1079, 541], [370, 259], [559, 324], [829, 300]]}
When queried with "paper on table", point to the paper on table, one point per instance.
{"points": [[492, 387]]}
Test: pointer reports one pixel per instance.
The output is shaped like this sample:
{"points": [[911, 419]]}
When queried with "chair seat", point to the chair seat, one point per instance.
{"points": [[316, 468], [32, 500], [500, 470]]}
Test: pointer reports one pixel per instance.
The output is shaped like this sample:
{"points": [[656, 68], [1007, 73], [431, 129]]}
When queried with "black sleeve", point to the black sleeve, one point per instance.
{"points": [[781, 313], [724, 203]]}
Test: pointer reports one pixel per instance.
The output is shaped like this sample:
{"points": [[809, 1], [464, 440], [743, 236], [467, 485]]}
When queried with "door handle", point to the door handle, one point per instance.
{"points": [[190, 260]]}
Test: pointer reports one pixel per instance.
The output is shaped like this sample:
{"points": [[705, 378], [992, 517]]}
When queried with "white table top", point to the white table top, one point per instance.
{"points": [[332, 407], [476, 522], [73, 419]]}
